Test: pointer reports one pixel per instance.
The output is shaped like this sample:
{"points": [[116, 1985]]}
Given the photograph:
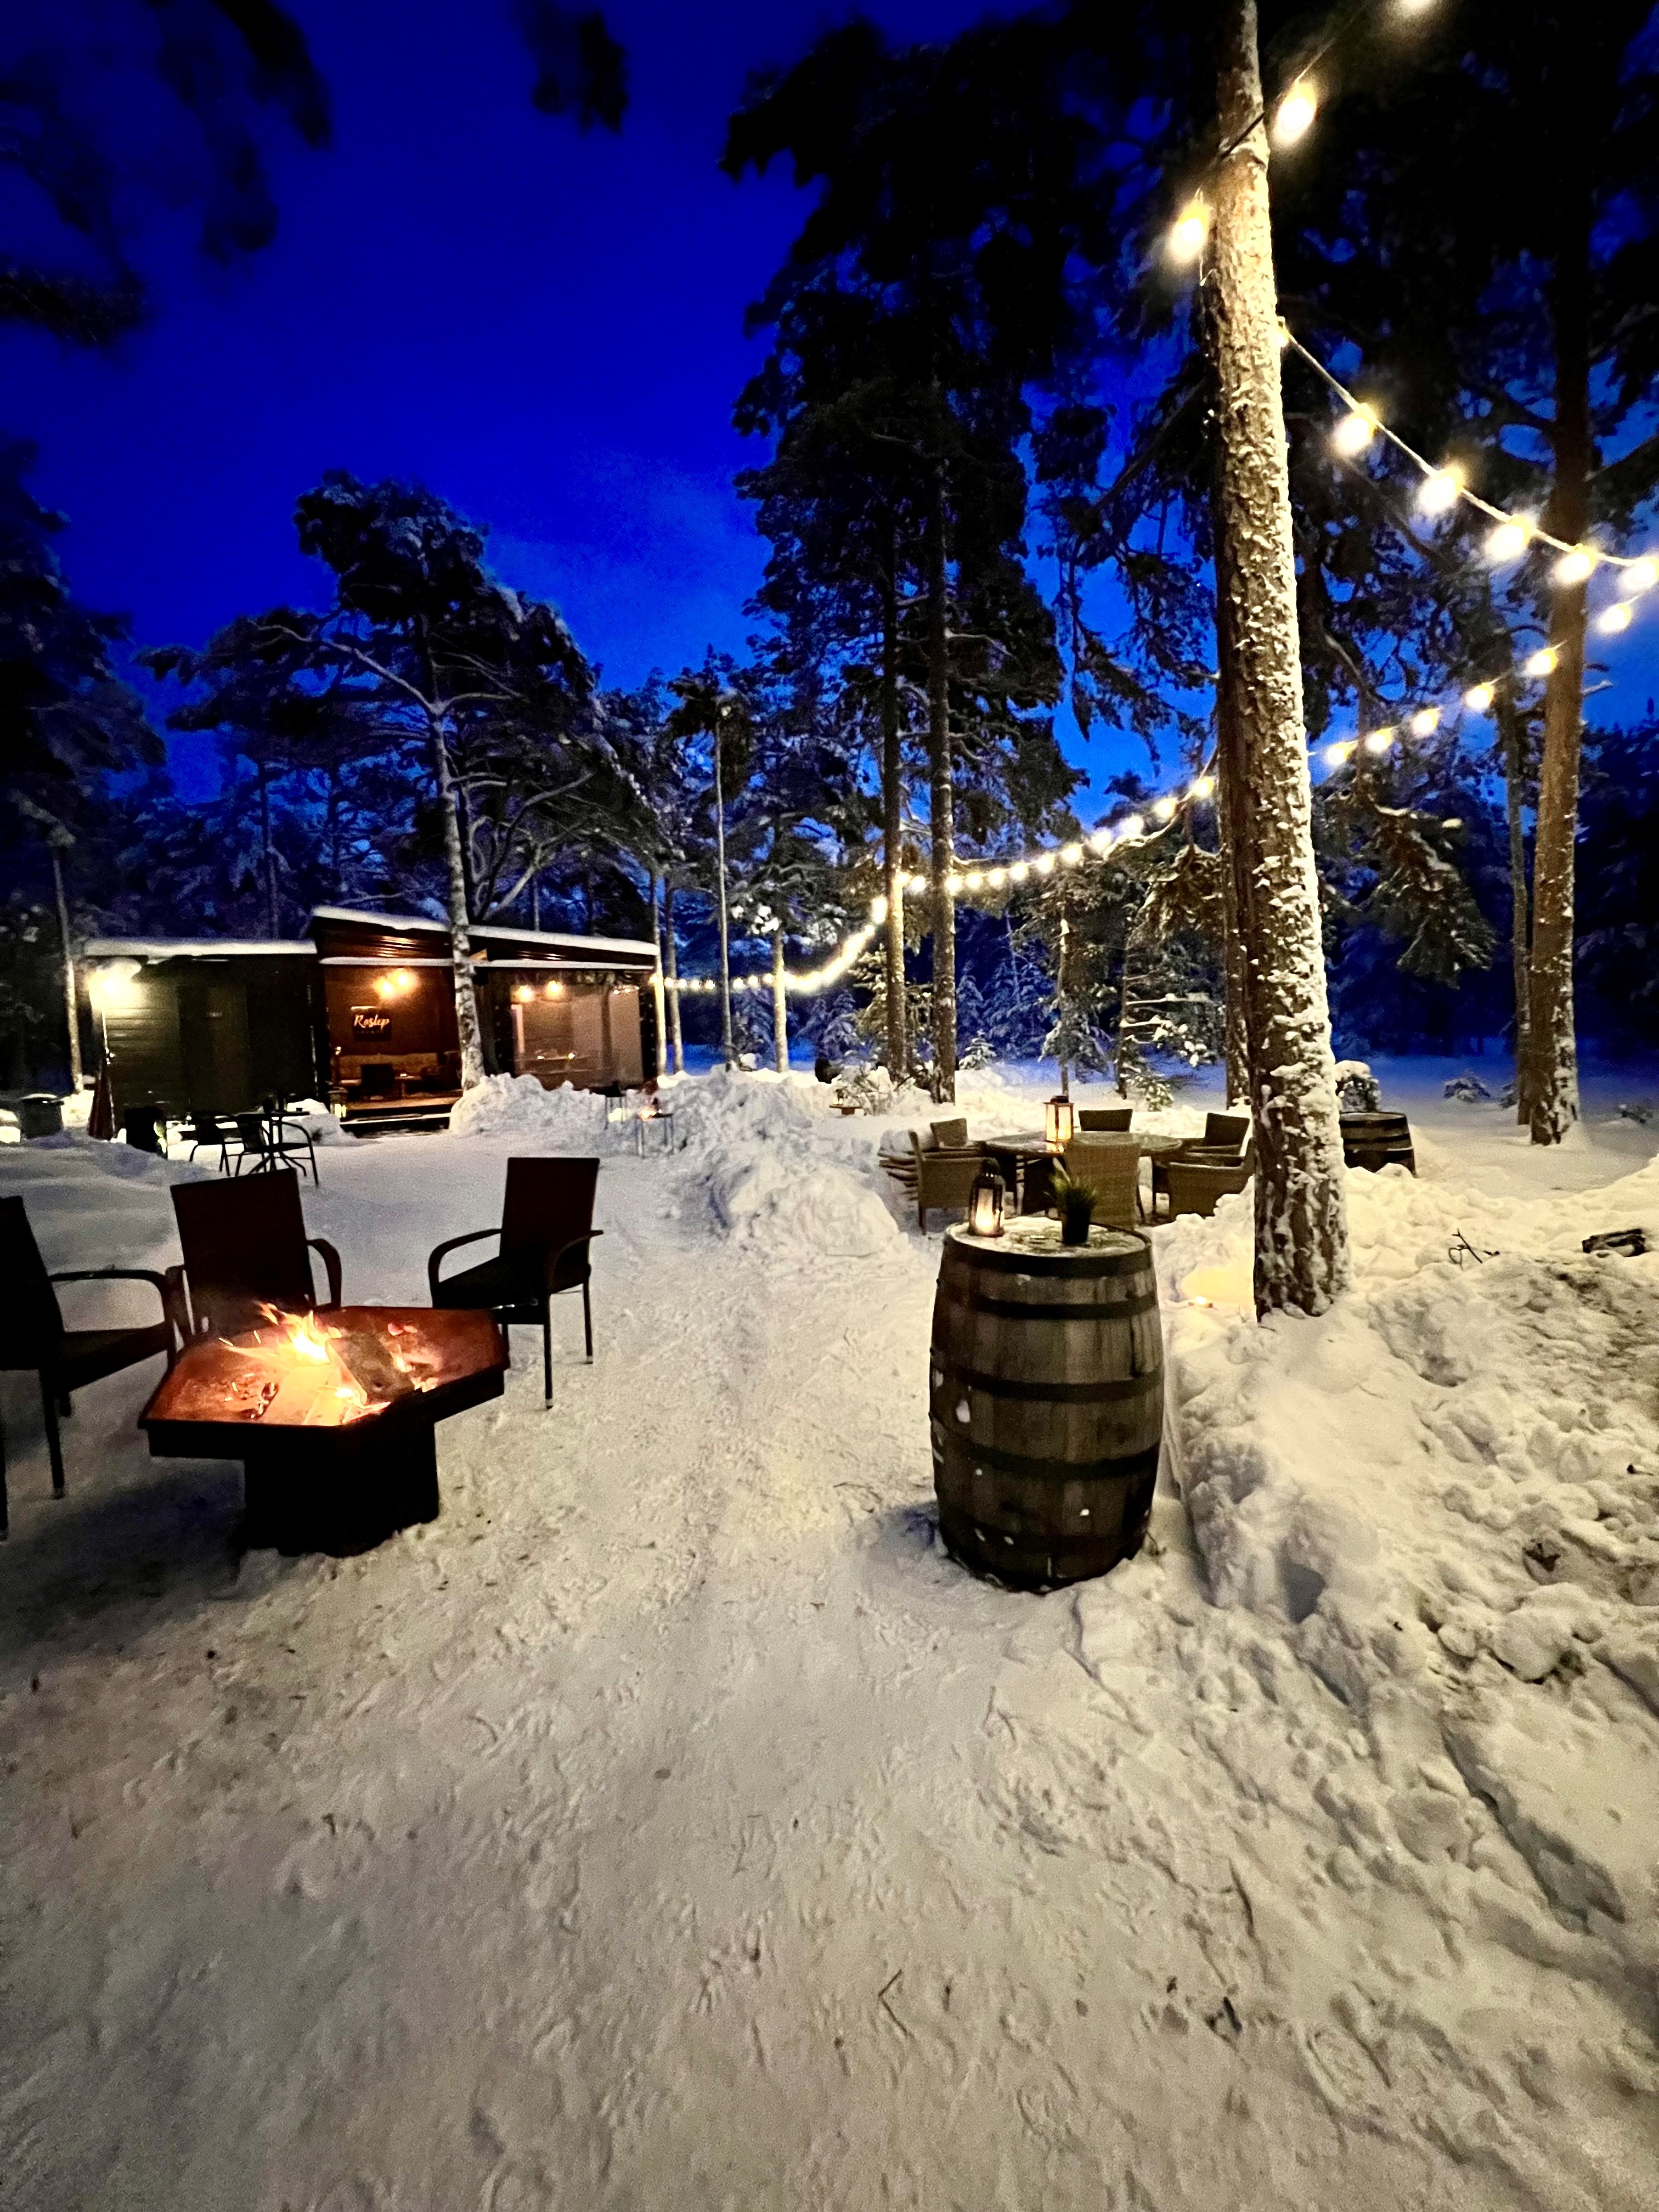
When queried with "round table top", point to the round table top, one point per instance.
{"points": [[1035, 1236], [1150, 1144]]}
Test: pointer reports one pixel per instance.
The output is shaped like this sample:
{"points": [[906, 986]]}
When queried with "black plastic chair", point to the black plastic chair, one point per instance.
{"points": [[138, 1127], [205, 1132], [33, 1335], [270, 1141], [547, 1226], [246, 1247]]}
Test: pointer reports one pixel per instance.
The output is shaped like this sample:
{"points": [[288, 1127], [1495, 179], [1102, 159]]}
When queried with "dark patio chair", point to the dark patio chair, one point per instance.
{"points": [[205, 1132], [244, 1247], [138, 1127], [33, 1335], [547, 1226], [1222, 1145], [1104, 1119], [377, 1078], [270, 1141]]}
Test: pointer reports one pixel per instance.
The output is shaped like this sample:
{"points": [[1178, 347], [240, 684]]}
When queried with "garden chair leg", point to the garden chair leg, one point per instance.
{"points": [[5, 1514], [54, 1444], [547, 1351], [588, 1324]]}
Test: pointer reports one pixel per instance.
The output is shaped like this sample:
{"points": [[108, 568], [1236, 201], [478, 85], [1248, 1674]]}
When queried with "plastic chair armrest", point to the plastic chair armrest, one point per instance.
{"points": [[331, 1265], [450, 1244]]}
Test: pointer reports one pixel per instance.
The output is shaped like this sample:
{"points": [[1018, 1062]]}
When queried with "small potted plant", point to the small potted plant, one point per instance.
{"points": [[1075, 1202]]}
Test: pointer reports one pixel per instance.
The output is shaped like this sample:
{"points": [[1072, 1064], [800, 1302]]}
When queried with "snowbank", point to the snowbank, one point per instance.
{"points": [[1447, 1492], [519, 1106]]}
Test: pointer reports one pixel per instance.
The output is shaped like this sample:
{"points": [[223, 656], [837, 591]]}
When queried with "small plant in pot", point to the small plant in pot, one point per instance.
{"points": [[1075, 1202]]}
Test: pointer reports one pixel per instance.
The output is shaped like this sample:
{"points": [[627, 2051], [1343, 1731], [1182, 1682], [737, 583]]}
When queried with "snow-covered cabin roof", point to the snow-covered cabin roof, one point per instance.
{"points": [[486, 933], [195, 948]]}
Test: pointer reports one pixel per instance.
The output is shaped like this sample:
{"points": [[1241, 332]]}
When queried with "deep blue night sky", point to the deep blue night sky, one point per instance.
{"points": [[546, 327]]}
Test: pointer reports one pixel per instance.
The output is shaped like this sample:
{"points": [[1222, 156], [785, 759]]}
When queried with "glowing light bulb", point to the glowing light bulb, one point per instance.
{"points": [[1191, 228], [997, 877], [916, 885], [1131, 826], [1573, 568], [1019, 872], [1542, 662], [1354, 433], [1044, 864], [1639, 575], [1508, 542], [1479, 697], [877, 909], [1296, 113], [1164, 810], [1202, 787], [1101, 842], [973, 881], [1340, 753], [1071, 855], [1425, 721], [1380, 740], [1439, 489], [1614, 618], [1284, 334]]}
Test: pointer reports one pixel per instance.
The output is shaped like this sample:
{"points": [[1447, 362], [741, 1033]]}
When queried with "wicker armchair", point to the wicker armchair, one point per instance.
{"points": [[1225, 1142], [1194, 1185], [944, 1176], [1112, 1171], [1091, 1119]]}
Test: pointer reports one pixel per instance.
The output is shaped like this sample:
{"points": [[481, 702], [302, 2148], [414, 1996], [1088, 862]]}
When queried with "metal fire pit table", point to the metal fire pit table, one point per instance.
{"points": [[332, 1415]]}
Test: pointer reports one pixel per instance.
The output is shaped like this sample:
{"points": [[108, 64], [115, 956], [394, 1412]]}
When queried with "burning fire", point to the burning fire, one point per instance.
{"points": [[291, 1357]]}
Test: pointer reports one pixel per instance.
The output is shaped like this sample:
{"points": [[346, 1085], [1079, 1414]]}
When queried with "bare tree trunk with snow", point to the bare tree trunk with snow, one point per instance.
{"points": [[941, 798], [727, 1047], [1515, 800], [1301, 1217], [468, 1029], [71, 1012], [676, 1036], [1551, 1047], [780, 1008], [892, 816]]}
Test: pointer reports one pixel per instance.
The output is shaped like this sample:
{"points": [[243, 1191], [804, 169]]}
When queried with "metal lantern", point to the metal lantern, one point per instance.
{"points": [[1059, 1122], [987, 1202]]}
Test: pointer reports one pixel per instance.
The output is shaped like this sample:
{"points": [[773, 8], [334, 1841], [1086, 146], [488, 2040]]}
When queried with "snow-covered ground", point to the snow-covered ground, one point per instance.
{"points": [[671, 1824]]}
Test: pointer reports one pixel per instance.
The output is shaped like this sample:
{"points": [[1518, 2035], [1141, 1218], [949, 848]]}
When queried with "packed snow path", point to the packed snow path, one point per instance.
{"points": [[671, 1824]]}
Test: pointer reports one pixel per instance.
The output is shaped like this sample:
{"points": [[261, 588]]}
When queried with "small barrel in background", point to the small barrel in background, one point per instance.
{"points": [[1376, 1140], [1046, 1401]]}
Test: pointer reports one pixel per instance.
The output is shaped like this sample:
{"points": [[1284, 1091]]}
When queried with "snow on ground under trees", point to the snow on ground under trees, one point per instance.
{"points": [[672, 1823]]}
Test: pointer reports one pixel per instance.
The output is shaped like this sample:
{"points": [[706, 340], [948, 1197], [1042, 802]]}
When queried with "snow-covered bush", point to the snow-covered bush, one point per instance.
{"points": [[1357, 1090], [1468, 1090]]}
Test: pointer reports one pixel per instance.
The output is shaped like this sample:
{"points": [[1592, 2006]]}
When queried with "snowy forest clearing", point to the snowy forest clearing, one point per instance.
{"points": [[672, 1823]]}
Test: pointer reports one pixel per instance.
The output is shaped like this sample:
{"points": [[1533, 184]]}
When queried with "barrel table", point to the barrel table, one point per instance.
{"points": [[1378, 1140], [1046, 1401]]}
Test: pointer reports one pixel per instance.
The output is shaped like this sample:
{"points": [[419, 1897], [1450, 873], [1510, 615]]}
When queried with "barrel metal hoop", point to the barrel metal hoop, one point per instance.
{"points": [[1054, 1263], [1011, 1310], [1133, 1468], [958, 1379]]}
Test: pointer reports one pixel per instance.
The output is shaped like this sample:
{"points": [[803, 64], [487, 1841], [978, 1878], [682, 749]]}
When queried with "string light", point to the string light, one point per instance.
{"points": [[1296, 113], [1164, 809], [1508, 542], [1340, 752], [1354, 432], [1479, 697], [1191, 228], [1202, 787], [1639, 575], [1577, 566], [1614, 618], [1541, 663], [1425, 721], [1440, 490], [1380, 740]]}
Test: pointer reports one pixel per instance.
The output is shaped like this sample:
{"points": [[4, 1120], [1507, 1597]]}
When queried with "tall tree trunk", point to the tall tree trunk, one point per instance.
{"points": [[1551, 1047], [1515, 800], [468, 1029], [676, 1034], [780, 1008], [658, 992], [71, 1012], [1301, 1216], [892, 816], [942, 797], [726, 1046], [1229, 757]]}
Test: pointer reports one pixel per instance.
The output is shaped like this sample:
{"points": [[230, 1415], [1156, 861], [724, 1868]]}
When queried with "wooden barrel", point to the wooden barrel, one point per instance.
{"points": [[1373, 1140], [1046, 1401]]}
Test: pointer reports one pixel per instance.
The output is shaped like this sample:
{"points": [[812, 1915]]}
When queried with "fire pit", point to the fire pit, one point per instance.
{"points": [[332, 1415]]}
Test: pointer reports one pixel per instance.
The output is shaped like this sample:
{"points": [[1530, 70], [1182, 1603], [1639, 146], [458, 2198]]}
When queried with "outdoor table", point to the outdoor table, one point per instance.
{"points": [[333, 1416], [1025, 1160]]}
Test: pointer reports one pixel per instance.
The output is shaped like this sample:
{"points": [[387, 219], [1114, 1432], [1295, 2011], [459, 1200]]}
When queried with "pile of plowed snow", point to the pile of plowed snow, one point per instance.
{"points": [[780, 1169], [520, 1106]]}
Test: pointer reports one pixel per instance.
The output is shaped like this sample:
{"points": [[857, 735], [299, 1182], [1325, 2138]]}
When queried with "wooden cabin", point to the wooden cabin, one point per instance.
{"points": [[363, 1014]]}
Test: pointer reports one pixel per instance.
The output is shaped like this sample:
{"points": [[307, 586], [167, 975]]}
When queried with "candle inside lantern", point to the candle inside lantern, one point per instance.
{"points": [[1059, 1122], [985, 1202]]}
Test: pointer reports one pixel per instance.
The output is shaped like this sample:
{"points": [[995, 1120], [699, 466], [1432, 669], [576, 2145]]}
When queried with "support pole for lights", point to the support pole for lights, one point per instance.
{"points": [[77, 1076], [726, 1045]]}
